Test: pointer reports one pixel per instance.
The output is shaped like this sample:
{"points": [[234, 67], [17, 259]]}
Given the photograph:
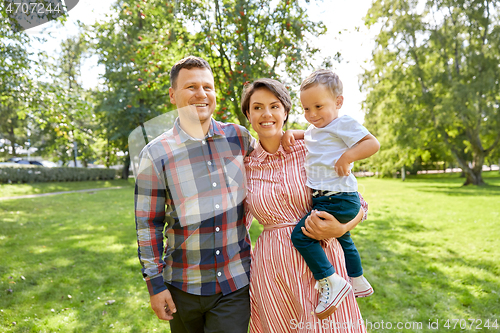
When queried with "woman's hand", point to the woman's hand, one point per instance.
{"points": [[322, 225]]}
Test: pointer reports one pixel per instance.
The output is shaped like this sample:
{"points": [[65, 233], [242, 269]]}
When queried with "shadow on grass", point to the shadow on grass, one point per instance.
{"points": [[420, 279], [489, 190]]}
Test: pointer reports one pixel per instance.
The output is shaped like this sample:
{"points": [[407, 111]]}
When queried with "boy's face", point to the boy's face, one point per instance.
{"points": [[320, 106]]}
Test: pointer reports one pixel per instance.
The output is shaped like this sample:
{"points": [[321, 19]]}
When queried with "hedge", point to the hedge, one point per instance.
{"points": [[37, 174]]}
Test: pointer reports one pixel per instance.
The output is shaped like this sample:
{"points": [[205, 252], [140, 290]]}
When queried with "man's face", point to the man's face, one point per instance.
{"points": [[194, 89]]}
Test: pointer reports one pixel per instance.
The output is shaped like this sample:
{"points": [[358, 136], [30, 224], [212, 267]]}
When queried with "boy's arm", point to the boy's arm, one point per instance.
{"points": [[289, 138], [365, 148]]}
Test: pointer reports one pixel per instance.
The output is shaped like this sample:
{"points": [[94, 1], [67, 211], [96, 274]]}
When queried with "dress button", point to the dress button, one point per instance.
{"points": [[219, 274]]}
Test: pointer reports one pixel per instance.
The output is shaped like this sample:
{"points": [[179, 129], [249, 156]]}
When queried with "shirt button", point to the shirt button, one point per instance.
{"points": [[214, 184], [217, 206], [209, 163], [219, 274], [217, 252], [217, 229]]}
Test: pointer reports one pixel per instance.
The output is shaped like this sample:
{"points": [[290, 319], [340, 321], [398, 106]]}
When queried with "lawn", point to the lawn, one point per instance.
{"points": [[39, 188], [429, 248]]}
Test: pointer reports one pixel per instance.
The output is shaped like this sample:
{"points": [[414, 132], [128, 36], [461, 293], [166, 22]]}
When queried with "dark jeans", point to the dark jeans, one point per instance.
{"points": [[344, 206], [210, 314]]}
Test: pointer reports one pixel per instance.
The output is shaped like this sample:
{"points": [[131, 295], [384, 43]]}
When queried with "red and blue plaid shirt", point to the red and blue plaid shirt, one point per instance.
{"points": [[194, 188]]}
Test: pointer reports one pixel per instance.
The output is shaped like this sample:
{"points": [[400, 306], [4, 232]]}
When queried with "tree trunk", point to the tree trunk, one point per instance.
{"points": [[474, 178], [473, 175], [403, 173], [126, 166], [12, 139]]}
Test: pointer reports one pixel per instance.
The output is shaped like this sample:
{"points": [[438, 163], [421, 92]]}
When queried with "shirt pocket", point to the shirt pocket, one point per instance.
{"points": [[182, 183], [234, 175], [183, 188]]}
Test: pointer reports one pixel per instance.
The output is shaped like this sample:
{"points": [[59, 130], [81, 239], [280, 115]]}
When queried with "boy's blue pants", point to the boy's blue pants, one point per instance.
{"points": [[344, 206]]}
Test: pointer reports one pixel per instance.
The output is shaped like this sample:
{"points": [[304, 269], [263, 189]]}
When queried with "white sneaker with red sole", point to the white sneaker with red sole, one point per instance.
{"points": [[333, 290], [361, 286]]}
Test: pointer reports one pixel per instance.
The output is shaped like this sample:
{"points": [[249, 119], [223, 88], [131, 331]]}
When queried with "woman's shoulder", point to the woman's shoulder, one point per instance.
{"points": [[299, 148]]}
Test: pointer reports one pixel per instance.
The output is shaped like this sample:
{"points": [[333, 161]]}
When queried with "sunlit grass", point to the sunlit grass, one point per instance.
{"points": [[8, 190]]}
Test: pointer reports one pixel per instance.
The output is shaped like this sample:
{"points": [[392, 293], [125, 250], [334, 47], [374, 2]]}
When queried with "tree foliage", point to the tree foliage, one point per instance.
{"points": [[241, 39], [14, 82], [434, 81]]}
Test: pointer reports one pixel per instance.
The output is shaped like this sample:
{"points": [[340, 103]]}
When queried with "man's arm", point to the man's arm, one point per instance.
{"points": [[150, 204], [365, 148]]}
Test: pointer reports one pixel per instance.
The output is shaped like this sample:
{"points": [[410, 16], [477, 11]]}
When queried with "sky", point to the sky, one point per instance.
{"points": [[338, 15]]}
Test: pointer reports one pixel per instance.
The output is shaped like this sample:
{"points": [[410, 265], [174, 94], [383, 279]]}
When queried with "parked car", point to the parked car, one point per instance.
{"points": [[49, 164], [46, 164]]}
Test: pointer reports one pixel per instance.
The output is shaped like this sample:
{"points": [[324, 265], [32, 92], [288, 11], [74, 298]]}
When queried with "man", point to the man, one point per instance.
{"points": [[191, 181]]}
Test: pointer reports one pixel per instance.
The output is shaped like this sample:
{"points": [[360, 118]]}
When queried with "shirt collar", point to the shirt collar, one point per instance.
{"points": [[182, 137], [262, 154]]}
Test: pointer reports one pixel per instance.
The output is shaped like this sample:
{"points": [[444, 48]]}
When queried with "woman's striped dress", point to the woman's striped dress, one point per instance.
{"points": [[282, 291]]}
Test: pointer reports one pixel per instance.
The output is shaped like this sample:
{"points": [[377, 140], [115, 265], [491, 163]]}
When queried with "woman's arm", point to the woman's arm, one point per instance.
{"points": [[328, 226]]}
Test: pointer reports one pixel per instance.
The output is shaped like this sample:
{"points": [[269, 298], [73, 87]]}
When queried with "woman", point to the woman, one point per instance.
{"points": [[282, 287]]}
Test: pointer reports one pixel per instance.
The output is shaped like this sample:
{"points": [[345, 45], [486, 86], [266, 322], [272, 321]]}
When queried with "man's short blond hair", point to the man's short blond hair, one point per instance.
{"points": [[325, 77]]}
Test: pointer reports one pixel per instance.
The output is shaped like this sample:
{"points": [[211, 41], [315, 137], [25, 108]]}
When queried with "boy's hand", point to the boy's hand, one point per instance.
{"points": [[342, 167], [288, 140]]}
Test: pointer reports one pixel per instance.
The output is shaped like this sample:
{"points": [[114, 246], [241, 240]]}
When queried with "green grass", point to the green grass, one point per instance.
{"points": [[429, 248], [82, 245], [39, 188]]}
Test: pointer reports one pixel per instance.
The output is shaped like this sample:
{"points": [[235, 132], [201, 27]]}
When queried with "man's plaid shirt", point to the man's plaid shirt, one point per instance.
{"points": [[196, 189]]}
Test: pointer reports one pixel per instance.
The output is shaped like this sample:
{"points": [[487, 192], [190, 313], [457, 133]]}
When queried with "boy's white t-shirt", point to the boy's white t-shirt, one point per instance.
{"points": [[324, 147]]}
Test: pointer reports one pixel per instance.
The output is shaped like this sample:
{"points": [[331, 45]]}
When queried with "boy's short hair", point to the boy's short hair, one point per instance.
{"points": [[325, 77], [275, 87], [187, 63]]}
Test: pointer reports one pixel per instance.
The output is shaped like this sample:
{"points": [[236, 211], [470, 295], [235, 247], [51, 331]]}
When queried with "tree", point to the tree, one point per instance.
{"points": [[14, 82], [241, 39], [63, 109], [435, 77]]}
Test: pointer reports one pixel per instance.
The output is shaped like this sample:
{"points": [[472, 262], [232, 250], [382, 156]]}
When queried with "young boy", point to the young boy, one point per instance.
{"points": [[333, 145]]}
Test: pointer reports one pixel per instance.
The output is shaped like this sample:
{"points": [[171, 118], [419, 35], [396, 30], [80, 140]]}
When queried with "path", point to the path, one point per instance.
{"points": [[62, 192]]}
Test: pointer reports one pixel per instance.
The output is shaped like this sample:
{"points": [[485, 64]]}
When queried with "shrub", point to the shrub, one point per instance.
{"points": [[36, 174]]}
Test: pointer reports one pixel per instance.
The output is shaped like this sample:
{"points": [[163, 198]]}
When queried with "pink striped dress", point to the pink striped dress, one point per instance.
{"points": [[282, 293]]}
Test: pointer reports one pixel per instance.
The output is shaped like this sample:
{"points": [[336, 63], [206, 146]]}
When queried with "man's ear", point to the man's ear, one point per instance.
{"points": [[340, 101], [171, 92]]}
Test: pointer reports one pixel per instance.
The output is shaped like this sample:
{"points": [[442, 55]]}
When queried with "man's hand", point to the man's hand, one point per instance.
{"points": [[288, 140], [163, 305], [322, 225], [342, 167]]}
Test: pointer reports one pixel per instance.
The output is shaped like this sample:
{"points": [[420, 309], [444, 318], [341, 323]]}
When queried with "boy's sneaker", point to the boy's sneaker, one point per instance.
{"points": [[361, 286], [333, 290]]}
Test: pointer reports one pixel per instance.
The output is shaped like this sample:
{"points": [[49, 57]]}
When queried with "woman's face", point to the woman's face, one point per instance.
{"points": [[266, 114]]}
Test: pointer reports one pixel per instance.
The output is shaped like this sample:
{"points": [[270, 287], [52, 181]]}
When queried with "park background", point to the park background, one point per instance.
{"points": [[421, 76]]}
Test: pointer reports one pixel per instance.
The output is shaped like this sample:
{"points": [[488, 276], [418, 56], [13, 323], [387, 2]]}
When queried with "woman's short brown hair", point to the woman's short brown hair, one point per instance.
{"points": [[275, 87]]}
